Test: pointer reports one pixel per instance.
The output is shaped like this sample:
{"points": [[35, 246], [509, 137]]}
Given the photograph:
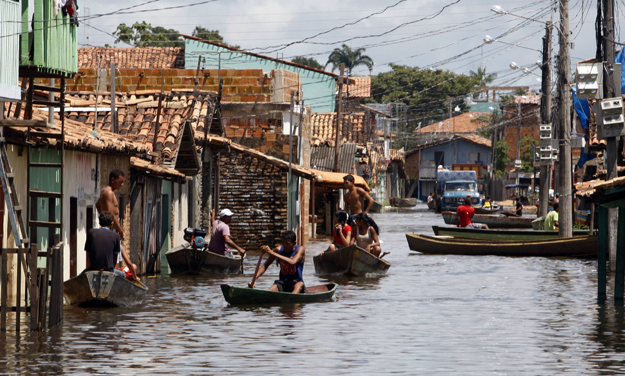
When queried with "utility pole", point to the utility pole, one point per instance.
{"points": [[566, 198], [518, 141], [545, 106], [339, 111], [609, 91], [290, 216], [114, 128]]}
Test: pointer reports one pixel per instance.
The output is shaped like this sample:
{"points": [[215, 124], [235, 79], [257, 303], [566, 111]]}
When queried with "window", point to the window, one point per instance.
{"points": [[439, 158]]}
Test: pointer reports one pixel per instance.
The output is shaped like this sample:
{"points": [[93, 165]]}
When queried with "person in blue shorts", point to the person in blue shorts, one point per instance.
{"points": [[291, 260]]}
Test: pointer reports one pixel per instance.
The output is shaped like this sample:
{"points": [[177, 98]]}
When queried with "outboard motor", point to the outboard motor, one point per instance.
{"points": [[195, 237]]}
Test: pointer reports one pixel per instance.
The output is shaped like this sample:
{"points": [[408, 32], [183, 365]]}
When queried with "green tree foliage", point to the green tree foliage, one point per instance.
{"points": [[142, 34], [351, 59], [502, 149], [482, 77], [212, 35], [309, 62], [428, 94], [527, 156]]}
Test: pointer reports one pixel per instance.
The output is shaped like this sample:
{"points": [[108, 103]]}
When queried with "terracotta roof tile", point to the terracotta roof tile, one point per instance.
{"points": [[527, 99], [468, 122], [360, 89], [131, 57], [353, 129]]}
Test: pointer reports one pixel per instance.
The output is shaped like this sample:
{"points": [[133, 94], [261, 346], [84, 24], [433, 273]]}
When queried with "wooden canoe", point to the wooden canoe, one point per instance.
{"points": [[102, 289], [494, 210], [248, 296], [582, 246], [500, 235], [185, 259], [376, 207], [493, 221], [538, 223], [350, 261], [405, 202]]}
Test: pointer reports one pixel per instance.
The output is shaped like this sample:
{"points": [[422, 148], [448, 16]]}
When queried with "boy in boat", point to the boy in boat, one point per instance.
{"points": [[103, 246], [354, 195], [291, 259], [220, 234], [551, 220], [465, 213], [488, 203]]}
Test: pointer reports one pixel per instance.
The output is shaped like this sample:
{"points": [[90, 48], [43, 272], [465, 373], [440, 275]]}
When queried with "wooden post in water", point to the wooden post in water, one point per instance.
{"points": [[602, 256], [4, 281], [34, 291], [619, 280]]}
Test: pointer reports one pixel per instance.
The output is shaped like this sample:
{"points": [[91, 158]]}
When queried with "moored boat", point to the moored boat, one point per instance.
{"points": [[102, 289], [583, 246], [186, 259], [490, 211], [538, 223], [407, 202], [376, 207], [500, 235], [351, 261], [248, 296], [493, 221]]}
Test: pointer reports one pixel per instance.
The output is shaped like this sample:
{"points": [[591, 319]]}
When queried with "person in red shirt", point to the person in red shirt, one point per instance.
{"points": [[465, 213], [342, 231]]}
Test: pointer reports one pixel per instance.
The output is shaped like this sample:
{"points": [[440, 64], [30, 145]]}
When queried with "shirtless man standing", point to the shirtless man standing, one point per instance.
{"points": [[354, 195], [108, 200]]}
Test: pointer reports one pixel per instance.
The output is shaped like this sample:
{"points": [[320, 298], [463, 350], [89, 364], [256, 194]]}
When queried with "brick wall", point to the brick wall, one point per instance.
{"points": [[511, 133], [257, 194], [530, 125], [243, 85]]}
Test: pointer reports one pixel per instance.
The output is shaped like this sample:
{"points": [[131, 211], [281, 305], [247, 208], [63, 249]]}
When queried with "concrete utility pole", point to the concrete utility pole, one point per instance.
{"points": [[545, 106], [566, 188], [609, 91], [338, 118]]}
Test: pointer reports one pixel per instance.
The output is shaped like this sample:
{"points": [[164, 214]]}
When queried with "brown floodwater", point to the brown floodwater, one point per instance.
{"points": [[428, 315]]}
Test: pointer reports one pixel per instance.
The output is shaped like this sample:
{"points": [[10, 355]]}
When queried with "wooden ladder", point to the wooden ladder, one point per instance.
{"points": [[16, 211]]}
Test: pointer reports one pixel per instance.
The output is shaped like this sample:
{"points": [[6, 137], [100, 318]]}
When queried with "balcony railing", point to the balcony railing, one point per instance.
{"points": [[49, 41], [9, 46]]}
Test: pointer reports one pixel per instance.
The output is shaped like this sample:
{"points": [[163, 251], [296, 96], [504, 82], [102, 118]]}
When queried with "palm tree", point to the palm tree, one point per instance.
{"points": [[351, 59], [482, 76]]}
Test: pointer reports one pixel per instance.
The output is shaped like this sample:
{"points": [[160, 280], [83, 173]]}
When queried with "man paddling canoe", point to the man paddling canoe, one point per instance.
{"points": [[291, 258]]}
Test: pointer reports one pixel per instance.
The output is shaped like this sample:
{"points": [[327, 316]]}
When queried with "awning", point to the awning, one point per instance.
{"points": [[335, 180], [517, 186]]}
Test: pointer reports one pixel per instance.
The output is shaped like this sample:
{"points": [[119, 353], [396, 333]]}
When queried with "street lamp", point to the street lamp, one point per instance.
{"points": [[499, 10], [489, 40]]}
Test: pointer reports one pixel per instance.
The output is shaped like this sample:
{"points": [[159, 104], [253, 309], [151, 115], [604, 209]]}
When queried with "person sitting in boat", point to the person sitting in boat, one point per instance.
{"points": [[366, 235], [103, 246], [519, 207], [291, 259], [488, 203], [551, 220], [342, 231], [220, 234], [465, 213]]}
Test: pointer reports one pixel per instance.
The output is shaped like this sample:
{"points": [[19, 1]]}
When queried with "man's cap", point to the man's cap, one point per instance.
{"points": [[226, 213]]}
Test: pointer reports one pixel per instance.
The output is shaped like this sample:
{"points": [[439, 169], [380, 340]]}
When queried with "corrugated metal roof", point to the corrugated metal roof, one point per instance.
{"points": [[322, 158]]}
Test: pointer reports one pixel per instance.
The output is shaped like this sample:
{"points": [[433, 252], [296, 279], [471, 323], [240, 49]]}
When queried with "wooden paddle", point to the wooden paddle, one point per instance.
{"points": [[257, 267]]}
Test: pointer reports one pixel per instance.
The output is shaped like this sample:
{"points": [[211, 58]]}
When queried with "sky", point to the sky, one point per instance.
{"points": [[436, 34]]}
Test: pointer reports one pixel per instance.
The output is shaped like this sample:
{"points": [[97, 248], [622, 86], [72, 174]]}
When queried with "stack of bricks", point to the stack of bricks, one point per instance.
{"points": [[256, 192], [240, 85]]}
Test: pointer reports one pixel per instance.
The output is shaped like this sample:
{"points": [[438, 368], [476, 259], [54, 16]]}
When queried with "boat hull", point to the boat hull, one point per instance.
{"points": [[376, 207], [583, 246], [349, 261], [248, 296], [190, 261], [405, 202], [500, 235], [102, 289], [492, 221], [582, 217], [498, 210]]}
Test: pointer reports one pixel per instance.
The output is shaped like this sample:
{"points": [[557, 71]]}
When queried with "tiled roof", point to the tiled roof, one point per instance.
{"points": [[136, 114], [464, 123], [360, 89], [588, 188], [381, 113], [323, 126], [132, 57]]}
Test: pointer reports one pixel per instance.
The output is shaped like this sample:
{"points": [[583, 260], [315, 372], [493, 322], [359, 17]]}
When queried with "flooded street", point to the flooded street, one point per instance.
{"points": [[428, 315]]}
